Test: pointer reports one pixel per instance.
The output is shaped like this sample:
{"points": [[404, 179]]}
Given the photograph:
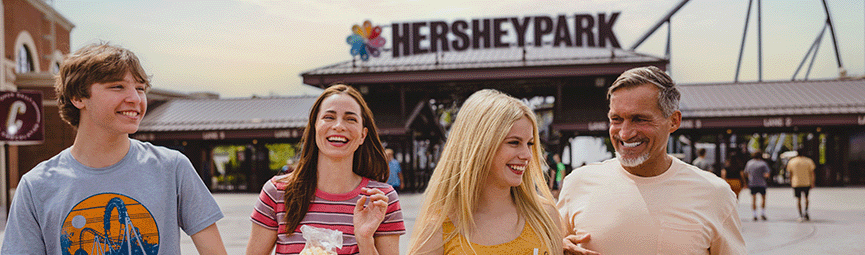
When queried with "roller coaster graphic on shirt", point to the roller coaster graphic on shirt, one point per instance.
{"points": [[108, 224]]}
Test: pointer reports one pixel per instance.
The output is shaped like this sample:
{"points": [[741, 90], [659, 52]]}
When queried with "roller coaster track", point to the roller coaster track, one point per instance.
{"points": [[103, 243]]}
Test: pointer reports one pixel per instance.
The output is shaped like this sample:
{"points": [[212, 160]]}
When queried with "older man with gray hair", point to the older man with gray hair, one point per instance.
{"points": [[645, 201]]}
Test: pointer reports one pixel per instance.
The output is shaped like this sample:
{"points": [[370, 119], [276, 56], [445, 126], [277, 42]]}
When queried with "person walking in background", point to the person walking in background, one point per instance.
{"points": [[560, 170], [802, 178], [341, 167], [645, 201], [487, 194], [107, 180], [732, 171], [701, 162], [756, 173], [287, 168], [549, 173], [395, 177]]}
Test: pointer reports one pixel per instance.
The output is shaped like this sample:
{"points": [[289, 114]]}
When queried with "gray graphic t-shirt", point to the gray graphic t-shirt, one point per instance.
{"points": [[136, 206]]}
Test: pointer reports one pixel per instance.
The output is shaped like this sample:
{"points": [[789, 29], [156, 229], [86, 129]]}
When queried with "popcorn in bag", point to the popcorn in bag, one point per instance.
{"points": [[320, 241]]}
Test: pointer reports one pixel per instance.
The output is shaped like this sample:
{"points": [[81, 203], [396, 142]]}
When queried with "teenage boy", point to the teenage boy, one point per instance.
{"points": [[109, 193]]}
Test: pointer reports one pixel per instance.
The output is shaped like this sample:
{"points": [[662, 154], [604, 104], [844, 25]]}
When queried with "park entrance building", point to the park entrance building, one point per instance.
{"points": [[827, 117]]}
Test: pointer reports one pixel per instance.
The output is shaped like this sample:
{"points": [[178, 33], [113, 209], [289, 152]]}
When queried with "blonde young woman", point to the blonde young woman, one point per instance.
{"points": [[342, 165], [487, 194]]}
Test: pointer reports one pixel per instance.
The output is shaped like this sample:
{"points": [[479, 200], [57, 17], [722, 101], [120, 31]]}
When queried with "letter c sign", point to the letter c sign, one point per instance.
{"points": [[22, 111]]}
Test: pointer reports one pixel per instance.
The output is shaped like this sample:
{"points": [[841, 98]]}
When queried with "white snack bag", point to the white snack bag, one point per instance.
{"points": [[320, 241]]}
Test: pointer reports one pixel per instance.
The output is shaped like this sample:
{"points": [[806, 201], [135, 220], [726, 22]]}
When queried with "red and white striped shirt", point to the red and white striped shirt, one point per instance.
{"points": [[331, 211]]}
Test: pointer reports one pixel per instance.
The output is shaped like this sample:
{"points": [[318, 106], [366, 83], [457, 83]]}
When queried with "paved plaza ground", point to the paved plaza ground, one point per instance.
{"points": [[837, 223]]}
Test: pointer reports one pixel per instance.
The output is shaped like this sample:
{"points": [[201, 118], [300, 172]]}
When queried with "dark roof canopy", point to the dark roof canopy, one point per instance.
{"points": [[278, 117], [422, 119], [506, 63], [228, 114], [773, 98], [778, 104]]}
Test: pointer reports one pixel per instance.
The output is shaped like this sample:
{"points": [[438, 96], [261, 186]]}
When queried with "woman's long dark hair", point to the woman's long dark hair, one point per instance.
{"points": [[369, 159]]}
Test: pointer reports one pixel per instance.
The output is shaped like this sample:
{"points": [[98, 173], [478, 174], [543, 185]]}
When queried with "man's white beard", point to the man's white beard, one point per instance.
{"points": [[632, 162]]}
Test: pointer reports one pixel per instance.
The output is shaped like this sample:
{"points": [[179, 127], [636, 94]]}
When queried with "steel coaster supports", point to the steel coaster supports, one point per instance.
{"points": [[669, 32], [666, 18], [744, 35], [667, 51], [816, 48], [832, 32], [759, 41], [810, 50]]}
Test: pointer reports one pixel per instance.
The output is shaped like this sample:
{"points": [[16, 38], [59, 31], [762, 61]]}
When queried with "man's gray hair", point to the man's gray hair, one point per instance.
{"points": [[668, 95]]}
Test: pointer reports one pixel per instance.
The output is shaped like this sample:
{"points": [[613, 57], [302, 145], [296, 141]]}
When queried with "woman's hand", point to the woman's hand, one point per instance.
{"points": [[572, 245], [367, 218]]}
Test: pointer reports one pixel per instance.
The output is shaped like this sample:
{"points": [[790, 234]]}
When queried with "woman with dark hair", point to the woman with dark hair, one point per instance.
{"points": [[342, 165], [732, 171]]}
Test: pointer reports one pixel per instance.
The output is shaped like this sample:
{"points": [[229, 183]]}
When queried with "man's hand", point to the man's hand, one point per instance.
{"points": [[571, 244]]}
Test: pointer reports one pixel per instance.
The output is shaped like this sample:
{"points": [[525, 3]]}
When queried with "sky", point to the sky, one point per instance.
{"points": [[241, 48]]}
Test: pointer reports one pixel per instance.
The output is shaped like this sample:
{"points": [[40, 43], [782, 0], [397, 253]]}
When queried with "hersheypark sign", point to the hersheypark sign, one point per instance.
{"points": [[411, 38]]}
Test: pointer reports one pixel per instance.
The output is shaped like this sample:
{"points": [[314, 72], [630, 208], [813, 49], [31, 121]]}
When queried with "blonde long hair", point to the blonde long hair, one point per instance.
{"points": [[480, 127]]}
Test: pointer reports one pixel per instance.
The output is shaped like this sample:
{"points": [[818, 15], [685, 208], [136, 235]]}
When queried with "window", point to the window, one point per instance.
{"points": [[24, 62]]}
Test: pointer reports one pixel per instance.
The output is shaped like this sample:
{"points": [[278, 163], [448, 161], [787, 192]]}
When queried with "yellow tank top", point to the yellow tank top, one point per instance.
{"points": [[526, 243]]}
